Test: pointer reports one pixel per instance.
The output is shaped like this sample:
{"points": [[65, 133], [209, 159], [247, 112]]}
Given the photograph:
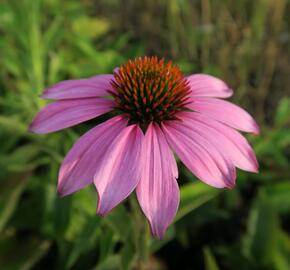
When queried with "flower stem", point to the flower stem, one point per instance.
{"points": [[141, 236]]}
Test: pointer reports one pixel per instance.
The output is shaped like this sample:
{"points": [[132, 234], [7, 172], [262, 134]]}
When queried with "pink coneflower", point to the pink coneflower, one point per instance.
{"points": [[159, 112]]}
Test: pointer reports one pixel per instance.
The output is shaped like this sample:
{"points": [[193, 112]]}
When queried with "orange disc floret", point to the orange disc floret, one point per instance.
{"points": [[149, 89]]}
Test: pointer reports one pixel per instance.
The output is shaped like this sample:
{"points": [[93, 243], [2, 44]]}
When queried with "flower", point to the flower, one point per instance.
{"points": [[159, 112]]}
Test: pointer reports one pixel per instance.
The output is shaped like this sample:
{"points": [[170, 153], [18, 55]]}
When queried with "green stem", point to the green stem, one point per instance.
{"points": [[141, 235]]}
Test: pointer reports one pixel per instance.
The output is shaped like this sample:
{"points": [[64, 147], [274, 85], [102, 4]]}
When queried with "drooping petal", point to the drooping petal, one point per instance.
{"points": [[157, 191], [119, 171], [79, 166], [227, 139], [66, 113], [199, 156], [96, 86], [225, 112], [203, 85]]}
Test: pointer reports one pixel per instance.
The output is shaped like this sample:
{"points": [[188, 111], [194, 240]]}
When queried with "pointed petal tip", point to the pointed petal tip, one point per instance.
{"points": [[225, 112], [30, 128], [159, 235], [227, 184], [230, 185], [48, 93], [34, 128], [158, 231], [103, 210], [256, 171], [45, 95], [255, 163], [206, 85], [95, 86], [101, 213], [62, 189], [158, 191], [229, 92], [256, 130], [60, 192], [114, 179], [255, 168], [253, 127], [62, 114]]}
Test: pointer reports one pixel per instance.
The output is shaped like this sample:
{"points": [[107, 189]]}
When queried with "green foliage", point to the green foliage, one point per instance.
{"points": [[194, 195], [45, 41], [210, 262]]}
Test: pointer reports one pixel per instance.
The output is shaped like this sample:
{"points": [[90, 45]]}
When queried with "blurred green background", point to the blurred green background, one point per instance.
{"points": [[244, 42]]}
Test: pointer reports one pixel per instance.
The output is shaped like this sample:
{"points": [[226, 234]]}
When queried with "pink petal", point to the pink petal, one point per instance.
{"points": [[157, 191], [203, 85], [222, 161], [119, 171], [66, 113], [225, 112], [199, 156], [234, 145], [79, 166], [96, 86]]}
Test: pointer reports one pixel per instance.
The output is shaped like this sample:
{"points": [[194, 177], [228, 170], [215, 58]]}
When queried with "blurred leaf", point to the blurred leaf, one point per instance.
{"points": [[107, 242], [261, 240], [281, 258], [84, 240], [209, 260], [21, 254], [127, 256], [90, 27], [283, 112], [260, 12], [23, 158], [121, 222], [194, 195], [61, 215], [111, 263], [155, 244], [278, 196], [266, 244], [53, 34], [82, 208], [12, 125], [10, 192]]}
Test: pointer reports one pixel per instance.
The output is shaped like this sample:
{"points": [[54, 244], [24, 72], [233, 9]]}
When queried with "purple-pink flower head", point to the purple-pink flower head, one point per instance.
{"points": [[159, 112]]}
